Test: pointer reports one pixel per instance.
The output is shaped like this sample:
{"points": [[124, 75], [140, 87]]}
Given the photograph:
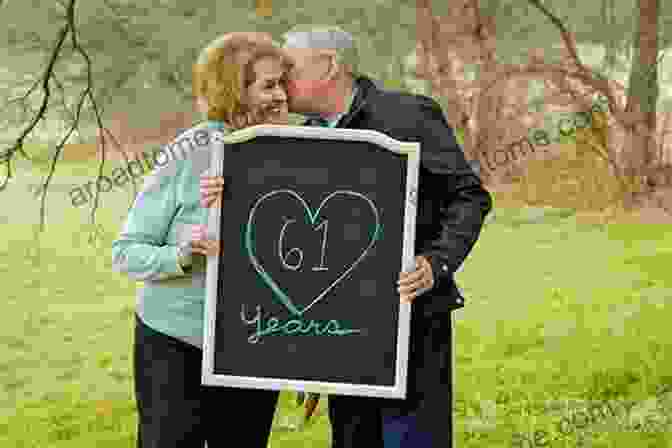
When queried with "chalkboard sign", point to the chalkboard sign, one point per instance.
{"points": [[316, 225]]}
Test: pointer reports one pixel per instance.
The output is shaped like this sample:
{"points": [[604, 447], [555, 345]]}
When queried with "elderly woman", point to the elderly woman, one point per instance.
{"points": [[239, 81]]}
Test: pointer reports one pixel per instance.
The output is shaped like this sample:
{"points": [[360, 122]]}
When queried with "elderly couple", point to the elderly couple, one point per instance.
{"points": [[240, 80]]}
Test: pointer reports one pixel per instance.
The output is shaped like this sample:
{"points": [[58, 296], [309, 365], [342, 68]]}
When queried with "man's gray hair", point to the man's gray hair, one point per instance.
{"points": [[325, 37]]}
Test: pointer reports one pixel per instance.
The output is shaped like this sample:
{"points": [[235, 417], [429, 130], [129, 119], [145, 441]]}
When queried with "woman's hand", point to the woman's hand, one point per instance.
{"points": [[211, 190], [200, 244]]}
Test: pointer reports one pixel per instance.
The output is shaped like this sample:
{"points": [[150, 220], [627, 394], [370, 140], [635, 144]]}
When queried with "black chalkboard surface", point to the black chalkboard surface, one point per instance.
{"points": [[315, 226]]}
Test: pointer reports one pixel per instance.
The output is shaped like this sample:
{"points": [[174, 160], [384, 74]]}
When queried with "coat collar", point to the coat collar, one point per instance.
{"points": [[365, 87]]}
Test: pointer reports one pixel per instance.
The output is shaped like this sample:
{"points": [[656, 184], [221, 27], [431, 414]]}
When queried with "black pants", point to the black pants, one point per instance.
{"points": [[424, 418], [176, 411]]}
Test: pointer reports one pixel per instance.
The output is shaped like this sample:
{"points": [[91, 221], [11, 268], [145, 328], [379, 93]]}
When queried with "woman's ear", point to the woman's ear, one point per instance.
{"points": [[202, 105]]}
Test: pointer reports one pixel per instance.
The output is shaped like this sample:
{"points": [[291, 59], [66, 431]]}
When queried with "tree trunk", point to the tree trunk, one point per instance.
{"points": [[437, 65], [642, 97]]}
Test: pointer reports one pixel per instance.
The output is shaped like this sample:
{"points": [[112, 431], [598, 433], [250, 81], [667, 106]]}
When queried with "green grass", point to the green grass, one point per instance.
{"points": [[555, 311]]}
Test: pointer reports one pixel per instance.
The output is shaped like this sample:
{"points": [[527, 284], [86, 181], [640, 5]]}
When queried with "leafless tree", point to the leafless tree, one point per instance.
{"points": [[100, 54], [466, 35], [44, 83]]}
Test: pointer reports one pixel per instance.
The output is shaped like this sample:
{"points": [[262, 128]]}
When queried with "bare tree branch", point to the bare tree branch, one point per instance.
{"points": [[23, 97], [588, 75], [72, 118], [6, 156], [69, 113], [88, 93]]}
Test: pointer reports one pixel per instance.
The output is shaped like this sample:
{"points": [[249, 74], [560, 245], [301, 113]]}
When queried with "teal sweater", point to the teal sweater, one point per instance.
{"points": [[170, 300]]}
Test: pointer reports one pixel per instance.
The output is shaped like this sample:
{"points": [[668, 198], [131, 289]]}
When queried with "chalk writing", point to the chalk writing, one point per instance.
{"points": [[279, 294], [284, 258], [291, 327], [322, 267], [295, 267]]}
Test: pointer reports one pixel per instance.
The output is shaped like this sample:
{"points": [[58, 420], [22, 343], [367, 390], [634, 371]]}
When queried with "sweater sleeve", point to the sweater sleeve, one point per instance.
{"points": [[140, 251]]}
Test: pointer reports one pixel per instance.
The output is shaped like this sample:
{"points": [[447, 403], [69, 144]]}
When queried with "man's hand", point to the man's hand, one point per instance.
{"points": [[211, 190], [415, 283]]}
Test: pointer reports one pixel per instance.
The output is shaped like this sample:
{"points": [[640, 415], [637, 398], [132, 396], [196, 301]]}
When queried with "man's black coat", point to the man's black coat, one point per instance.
{"points": [[452, 206], [452, 203]]}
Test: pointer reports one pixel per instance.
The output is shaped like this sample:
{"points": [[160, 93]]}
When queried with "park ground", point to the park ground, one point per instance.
{"points": [[561, 311]]}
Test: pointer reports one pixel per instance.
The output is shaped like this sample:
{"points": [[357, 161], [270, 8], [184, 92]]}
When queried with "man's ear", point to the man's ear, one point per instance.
{"points": [[334, 65]]}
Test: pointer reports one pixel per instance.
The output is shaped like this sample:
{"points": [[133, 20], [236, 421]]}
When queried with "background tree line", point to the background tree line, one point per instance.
{"points": [[74, 70]]}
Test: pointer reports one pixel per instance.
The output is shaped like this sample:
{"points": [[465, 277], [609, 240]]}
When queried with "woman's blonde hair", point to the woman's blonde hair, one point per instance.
{"points": [[224, 71]]}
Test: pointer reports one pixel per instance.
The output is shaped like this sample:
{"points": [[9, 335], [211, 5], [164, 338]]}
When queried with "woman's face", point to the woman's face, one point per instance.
{"points": [[267, 96]]}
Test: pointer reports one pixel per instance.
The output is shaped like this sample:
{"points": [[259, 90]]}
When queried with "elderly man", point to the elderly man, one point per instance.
{"points": [[452, 205]]}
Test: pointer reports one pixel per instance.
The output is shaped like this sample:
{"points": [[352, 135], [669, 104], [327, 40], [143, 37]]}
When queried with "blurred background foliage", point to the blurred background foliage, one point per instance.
{"points": [[142, 50]]}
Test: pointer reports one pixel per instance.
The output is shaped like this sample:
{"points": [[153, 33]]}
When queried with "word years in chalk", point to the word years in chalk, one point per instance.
{"points": [[291, 327]]}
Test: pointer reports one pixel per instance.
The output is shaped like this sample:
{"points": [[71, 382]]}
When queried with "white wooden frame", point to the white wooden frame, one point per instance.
{"points": [[412, 151]]}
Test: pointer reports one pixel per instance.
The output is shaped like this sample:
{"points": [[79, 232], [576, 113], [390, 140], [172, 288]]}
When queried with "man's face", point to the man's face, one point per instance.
{"points": [[308, 87]]}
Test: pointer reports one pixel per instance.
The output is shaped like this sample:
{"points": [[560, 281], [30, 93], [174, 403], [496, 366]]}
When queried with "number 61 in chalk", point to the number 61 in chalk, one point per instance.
{"points": [[295, 267]]}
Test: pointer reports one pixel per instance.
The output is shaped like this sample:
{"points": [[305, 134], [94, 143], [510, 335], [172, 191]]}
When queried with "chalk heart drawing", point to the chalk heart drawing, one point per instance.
{"points": [[281, 295]]}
